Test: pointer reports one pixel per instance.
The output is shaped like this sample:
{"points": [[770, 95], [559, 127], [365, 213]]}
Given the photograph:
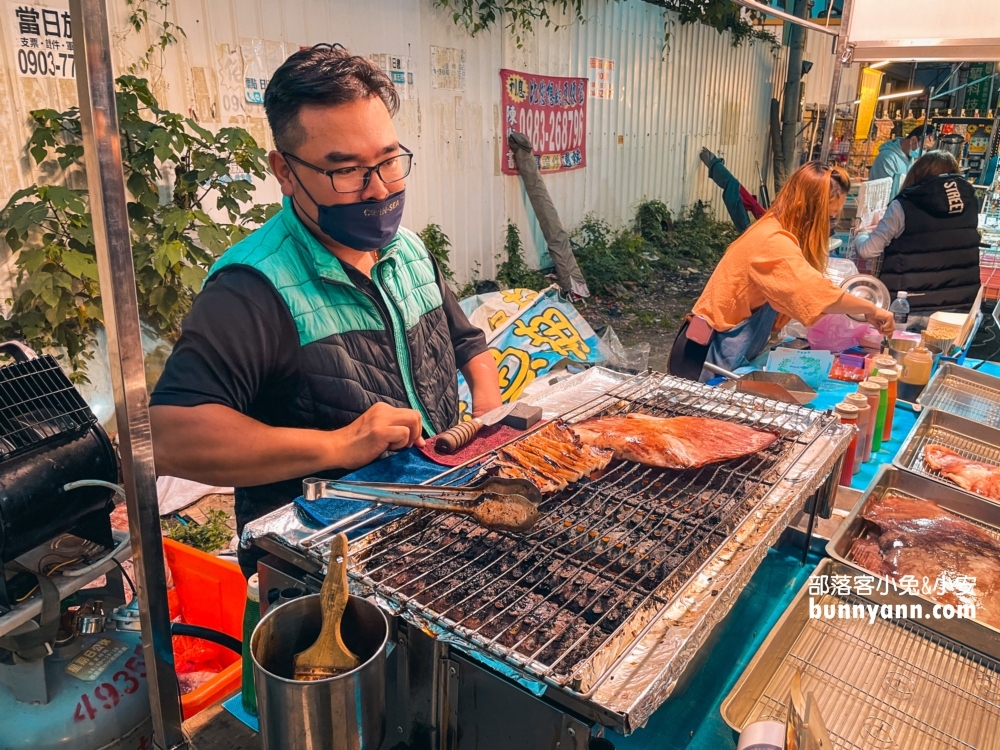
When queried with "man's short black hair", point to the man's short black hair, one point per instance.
{"points": [[923, 131], [326, 74]]}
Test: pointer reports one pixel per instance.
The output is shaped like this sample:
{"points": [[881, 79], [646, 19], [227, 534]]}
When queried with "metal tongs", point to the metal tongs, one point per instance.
{"points": [[500, 504]]}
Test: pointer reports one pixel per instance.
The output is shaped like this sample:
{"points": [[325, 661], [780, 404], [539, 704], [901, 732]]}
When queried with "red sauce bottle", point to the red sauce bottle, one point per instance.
{"points": [[848, 414]]}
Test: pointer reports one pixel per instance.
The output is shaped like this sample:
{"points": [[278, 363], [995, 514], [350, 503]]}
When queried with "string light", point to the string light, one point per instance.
{"points": [[899, 95]]}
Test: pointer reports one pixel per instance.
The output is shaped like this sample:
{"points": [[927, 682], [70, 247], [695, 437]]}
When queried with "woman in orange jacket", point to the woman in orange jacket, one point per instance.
{"points": [[772, 273]]}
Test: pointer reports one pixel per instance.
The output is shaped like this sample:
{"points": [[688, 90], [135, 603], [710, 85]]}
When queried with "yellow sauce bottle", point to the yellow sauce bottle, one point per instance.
{"points": [[916, 372]]}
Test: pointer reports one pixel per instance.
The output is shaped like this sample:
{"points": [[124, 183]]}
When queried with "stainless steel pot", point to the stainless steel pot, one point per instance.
{"points": [[346, 712]]}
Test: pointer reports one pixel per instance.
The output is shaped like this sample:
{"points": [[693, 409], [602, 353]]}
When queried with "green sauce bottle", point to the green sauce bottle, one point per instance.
{"points": [[251, 616], [883, 407]]}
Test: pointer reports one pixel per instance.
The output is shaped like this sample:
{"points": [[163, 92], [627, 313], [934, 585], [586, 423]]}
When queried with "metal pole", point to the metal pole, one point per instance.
{"points": [[106, 182], [791, 108], [991, 151], [843, 58], [909, 87]]}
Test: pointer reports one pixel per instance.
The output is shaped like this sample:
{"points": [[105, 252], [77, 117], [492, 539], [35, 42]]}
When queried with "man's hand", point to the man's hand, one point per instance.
{"points": [[883, 320], [481, 375], [382, 428]]}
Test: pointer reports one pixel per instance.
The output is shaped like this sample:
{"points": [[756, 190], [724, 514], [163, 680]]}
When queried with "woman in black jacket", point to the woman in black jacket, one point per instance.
{"points": [[929, 237]]}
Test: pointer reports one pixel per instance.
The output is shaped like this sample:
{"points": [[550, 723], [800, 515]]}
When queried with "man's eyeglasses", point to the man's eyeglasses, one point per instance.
{"points": [[356, 179]]}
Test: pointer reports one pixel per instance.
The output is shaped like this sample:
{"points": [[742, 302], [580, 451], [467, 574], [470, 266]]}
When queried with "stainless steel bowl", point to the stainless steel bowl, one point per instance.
{"points": [[868, 288]]}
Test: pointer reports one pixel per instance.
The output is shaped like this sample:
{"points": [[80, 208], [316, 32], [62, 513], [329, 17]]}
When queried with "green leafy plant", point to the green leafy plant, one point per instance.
{"points": [[471, 287], [437, 244], [165, 33], [654, 222], [698, 238], [723, 16], [513, 272], [207, 537], [57, 302], [610, 260], [521, 16]]}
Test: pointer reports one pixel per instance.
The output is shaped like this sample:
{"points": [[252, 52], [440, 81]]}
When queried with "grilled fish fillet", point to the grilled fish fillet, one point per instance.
{"points": [[672, 443], [551, 458], [974, 476], [919, 538]]}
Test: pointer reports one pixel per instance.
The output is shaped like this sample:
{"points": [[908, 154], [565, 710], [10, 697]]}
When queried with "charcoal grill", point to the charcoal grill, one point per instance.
{"points": [[602, 607], [608, 557]]}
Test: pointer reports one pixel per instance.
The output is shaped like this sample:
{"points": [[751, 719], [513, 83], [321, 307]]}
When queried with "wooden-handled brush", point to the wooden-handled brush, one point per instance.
{"points": [[328, 656]]}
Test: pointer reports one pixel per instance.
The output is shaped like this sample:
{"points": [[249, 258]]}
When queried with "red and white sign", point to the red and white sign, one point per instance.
{"points": [[552, 113], [601, 74]]}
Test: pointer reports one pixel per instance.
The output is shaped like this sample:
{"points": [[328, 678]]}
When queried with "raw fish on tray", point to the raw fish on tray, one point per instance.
{"points": [[674, 442], [919, 538], [974, 476]]}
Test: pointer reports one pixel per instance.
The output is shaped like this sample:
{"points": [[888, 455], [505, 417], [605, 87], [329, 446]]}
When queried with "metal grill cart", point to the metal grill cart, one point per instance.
{"points": [[591, 619], [450, 673], [965, 392], [903, 680], [969, 438]]}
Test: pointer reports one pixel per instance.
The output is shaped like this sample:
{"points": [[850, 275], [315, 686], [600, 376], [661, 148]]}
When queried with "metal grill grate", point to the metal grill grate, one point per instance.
{"points": [[957, 395], [889, 684], [37, 404], [606, 555]]}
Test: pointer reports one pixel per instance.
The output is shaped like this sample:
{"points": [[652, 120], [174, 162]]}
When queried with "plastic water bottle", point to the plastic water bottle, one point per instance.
{"points": [[251, 616], [900, 309]]}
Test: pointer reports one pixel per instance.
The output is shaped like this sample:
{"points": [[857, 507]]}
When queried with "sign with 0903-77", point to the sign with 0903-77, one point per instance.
{"points": [[40, 37]]}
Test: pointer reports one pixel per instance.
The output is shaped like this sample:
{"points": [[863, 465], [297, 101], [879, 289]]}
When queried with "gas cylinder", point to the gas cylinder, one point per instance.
{"points": [[90, 693]]}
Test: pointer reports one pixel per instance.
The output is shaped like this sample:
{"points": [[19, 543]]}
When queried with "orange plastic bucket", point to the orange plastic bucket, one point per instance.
{"points": [[211, 593]]}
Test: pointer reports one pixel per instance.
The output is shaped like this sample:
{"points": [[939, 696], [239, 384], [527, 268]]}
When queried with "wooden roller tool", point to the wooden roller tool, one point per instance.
{"points": [[517, 415]]}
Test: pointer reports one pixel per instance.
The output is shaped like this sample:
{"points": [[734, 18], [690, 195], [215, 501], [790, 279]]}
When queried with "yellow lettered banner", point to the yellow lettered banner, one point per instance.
{"points": [[528, 333]]}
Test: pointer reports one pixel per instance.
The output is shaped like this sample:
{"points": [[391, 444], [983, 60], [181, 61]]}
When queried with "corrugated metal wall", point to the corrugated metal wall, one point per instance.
{"points": [[671, 98]]}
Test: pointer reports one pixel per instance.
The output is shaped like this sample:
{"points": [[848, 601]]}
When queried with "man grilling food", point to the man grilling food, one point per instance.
{"points": [[328, 336]]}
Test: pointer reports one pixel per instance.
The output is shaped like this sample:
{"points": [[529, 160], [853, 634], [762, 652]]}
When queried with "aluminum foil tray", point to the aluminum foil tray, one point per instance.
{"points": [[890, 684], [975, 441], [965, 392], [985, 513]]}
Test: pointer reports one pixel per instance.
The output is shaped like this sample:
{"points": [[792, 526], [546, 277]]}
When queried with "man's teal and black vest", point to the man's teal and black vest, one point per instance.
{"points": [[351, 356]]}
